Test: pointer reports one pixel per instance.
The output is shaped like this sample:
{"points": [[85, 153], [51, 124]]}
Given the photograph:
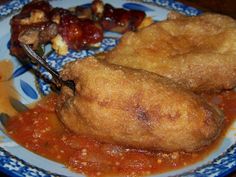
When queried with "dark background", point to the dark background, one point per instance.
{"points": [[227, 7]]}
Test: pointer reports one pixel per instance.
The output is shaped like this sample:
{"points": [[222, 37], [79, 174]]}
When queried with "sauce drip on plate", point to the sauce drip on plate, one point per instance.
{"points": [[7, 90], [40, 131]]}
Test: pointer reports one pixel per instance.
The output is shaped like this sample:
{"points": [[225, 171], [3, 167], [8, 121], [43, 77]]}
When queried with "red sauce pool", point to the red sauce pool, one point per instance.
{"points": [[40, 131]]}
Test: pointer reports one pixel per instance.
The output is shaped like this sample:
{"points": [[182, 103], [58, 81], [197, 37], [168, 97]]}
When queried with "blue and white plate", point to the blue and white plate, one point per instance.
{"points": [[18, 161]]}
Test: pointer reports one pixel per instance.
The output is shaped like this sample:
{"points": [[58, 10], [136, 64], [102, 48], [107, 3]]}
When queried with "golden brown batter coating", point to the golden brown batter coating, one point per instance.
{"points": [[197, 52], [135, 108]]}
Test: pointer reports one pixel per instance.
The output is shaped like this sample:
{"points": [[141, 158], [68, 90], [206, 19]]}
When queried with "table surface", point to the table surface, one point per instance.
{"points": [[227, 7]]}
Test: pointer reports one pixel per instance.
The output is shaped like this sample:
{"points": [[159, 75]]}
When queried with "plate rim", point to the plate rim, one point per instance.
{"points": [[14, 5]]}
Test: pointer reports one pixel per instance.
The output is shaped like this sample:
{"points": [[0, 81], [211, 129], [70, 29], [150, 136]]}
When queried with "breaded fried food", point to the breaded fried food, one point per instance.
{"points": [[135, 108], [197, 52]]}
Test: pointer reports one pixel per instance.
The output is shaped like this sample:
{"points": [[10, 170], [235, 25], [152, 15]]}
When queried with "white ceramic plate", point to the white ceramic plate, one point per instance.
{"points": [[18, 161]]}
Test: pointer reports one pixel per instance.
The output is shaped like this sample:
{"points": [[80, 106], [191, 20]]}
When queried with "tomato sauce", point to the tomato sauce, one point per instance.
{"points": [[40, 131]]}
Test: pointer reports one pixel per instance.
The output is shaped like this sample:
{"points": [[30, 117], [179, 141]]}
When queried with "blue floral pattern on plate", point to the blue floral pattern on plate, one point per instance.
{"points": [[28, 90], [10, 6], [134, 6], [21, 70], [15, 165]]}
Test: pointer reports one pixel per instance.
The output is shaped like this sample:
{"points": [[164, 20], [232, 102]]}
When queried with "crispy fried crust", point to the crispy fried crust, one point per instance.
{"points": [[135, 108], [197, 52]]}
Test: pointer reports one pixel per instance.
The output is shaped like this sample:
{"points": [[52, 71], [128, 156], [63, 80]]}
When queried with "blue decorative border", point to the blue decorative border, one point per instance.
{"points": [[13, 166], [220, 166], [11, 6], [175, 5]]}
